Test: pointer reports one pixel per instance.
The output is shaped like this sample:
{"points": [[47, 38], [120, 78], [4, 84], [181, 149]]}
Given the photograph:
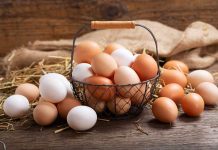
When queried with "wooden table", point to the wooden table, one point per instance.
{"points": [[185, 133]]}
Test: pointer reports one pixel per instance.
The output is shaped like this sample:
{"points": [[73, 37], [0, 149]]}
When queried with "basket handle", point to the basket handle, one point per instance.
{"points": [[112, 24]]}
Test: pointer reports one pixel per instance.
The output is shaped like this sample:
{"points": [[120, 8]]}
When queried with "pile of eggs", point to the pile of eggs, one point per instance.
{"points": [[175, 78], [54, 97], [115, 65]]}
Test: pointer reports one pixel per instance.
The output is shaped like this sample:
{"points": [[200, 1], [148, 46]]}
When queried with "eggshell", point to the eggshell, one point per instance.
{"points": [[173, 76], [81, 118], [112, 47], [16, 106], [104, 65], [45, 113], [96, 104], [123, 57], [192, 104], [209, 93], [103, 92], [52, 90], [198, 76], [141, 95], [85, 51], [30, 91], [145, 66], [173, 91], [66, 105], [119, 106], [176, 65], [124, 76], [60, 77], [165, 110], [82, 71]]}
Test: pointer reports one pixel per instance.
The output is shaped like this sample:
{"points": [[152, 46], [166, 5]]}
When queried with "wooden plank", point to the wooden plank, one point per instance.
{"points": [[185, 133], [26, 20]]}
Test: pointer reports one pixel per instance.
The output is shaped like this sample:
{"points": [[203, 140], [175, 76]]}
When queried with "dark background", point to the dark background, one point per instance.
{"points": [[22, 21]]}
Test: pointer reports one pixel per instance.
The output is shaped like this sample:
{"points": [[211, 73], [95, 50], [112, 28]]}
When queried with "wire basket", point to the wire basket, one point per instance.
{"points": [[123, 101]]}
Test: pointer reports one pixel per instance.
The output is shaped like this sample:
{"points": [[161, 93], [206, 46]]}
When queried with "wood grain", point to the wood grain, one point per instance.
{"points": [[186, 133], [22, 21]]}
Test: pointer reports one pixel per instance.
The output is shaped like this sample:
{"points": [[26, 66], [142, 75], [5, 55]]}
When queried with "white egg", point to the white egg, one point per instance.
{"points": [[209, 93], [198, 76], [81, 118], [123, 57], [16, 106], [82, 71], [52, 90], [61, 78]]}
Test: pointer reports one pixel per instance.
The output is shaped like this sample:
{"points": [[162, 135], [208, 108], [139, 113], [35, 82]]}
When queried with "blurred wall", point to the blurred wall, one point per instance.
{"points": [[22, 21]]}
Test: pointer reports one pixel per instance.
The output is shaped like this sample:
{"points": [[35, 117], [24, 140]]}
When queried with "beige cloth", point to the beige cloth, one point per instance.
{"points": [[196, 45]]}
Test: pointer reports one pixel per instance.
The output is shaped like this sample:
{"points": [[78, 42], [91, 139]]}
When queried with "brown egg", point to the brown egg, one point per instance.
{"points": [[104, 65], [145, 66], [103, 92], [119, 106], [45, 113], [66, 105], [124, 76], [112, 47], [96, 104], [176, 65], [164, 109], [173, 76], [209, 92], [30, 91], [173, 91], [85, 51], [192, 104], [141, 95]]}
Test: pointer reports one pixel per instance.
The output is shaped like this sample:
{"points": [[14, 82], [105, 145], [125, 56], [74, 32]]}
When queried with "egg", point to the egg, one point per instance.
{"points": [[104, 65], [177, 65], [173, 91], [85, 51], [135, 56], [209, 92], [30, 91], [45, 113], [16, 106], [60, 77], [52, 90], [66, 105], [103, 92], [165, 110], [141, 96], [81, 118], [82, 71], [198, 76], [145, 66], [96, 104], [124, 76], [119, 106], [112, 47], [123, 57], [173, 76], [192, 104]]}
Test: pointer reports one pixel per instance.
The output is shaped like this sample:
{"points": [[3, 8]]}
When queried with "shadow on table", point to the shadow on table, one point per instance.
{"points": [[156, 124], [185, 118]]}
